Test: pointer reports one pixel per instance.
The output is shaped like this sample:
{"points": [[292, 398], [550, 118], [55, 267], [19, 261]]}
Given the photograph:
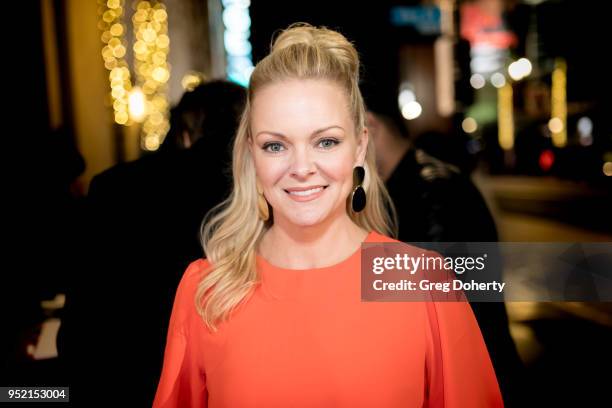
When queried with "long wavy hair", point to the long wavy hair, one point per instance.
{"points": [[231, 231]]}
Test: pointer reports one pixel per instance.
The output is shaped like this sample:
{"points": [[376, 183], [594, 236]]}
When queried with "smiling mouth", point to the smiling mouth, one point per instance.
{"points": [[310, 193]]}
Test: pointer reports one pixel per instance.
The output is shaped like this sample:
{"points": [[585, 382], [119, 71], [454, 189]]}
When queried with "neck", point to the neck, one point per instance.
{"points": [[307, 247]]}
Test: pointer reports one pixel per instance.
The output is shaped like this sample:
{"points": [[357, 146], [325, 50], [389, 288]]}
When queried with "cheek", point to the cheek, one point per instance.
{"points": [[339, 170], [269, 170]]}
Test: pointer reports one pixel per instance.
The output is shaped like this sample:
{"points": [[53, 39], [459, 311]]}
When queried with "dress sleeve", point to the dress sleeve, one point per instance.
{"points": [[182, 382], [459, 372]]}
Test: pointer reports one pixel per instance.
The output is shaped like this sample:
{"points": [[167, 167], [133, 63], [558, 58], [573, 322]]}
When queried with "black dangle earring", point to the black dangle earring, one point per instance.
{"points": [[358, 197]]}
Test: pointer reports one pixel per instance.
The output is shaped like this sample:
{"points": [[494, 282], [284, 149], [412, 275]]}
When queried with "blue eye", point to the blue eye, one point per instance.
{"points": [[328, 143], [273, 147]]}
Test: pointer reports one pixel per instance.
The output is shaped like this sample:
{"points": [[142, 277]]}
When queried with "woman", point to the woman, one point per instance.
{"points": [[273, 317]]}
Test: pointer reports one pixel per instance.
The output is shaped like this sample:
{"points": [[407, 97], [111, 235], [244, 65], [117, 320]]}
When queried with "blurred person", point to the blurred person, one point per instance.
{"points": [[436, 202], [143, 229], [435, 199], [273, 316], [44, 212], [199, 113]]}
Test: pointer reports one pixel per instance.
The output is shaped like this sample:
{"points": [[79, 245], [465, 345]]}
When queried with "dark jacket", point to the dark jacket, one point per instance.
{"points": [[435, 202], [143, 230]]}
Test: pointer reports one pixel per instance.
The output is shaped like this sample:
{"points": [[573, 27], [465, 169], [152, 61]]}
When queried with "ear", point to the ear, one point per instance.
{"points": [[374, 125], [186, 140], [372, 122], [362, 145]]}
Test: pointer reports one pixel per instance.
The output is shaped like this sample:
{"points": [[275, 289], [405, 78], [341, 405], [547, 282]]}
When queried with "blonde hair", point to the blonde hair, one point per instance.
{"points": [[231, 231]]}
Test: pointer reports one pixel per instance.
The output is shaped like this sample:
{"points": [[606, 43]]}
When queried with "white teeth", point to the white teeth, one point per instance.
{"points": [[306, 192]]}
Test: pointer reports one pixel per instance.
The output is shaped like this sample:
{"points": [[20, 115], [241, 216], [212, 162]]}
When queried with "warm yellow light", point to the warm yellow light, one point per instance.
{"points": [[121, 117], [159, 58], [106, 36], [164, 127], [141, 62], [115, 74], [119, 105], [148, 87], [160, 103], [140, 47], [137, 104], [110, 63], [160, 74], [607, 169], [555, 125], [469, 125], [151, 142], [160, 15], [191, 80], [149, 35], [151, 47], [108, 16], [559, 103], [107, 53], [139, 16], [116, 30], [163, 41], [143, 70], [157, 118], [505, 117], [119, 51], [113, 54], [118, 93]]}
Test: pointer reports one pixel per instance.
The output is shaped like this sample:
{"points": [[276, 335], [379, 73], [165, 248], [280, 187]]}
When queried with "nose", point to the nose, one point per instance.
{"points": [[302, 164]]}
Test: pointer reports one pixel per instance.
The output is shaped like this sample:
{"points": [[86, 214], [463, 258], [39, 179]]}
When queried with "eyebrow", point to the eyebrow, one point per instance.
{"points": [[316, 132]]}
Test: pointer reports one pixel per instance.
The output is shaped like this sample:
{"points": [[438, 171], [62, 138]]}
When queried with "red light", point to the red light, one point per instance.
{"points": [[547, 159]]}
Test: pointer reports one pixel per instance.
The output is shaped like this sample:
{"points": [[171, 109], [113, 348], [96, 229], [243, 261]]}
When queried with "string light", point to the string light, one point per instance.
{"points": [[151, 47], [191, 80], [113, 36], [505, 113], [237, 24], [146, 101], [558, 122]]}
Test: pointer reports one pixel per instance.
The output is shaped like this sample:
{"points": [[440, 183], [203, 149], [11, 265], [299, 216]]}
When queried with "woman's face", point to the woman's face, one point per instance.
{"points": [[305, 148]]}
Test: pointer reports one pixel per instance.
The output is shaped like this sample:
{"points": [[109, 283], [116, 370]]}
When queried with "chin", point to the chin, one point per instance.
{"points": [[306, 219]]}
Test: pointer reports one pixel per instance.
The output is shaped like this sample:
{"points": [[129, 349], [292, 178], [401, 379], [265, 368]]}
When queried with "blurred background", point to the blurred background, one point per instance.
{"points": [[515, 94]]}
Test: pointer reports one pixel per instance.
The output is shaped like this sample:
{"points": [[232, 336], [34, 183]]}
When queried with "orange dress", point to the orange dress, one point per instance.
{"points": [[305, 339]]}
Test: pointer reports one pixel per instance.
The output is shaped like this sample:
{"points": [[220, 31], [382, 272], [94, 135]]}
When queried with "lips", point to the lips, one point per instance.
{"points": [[305, 188], [305, 193]]}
